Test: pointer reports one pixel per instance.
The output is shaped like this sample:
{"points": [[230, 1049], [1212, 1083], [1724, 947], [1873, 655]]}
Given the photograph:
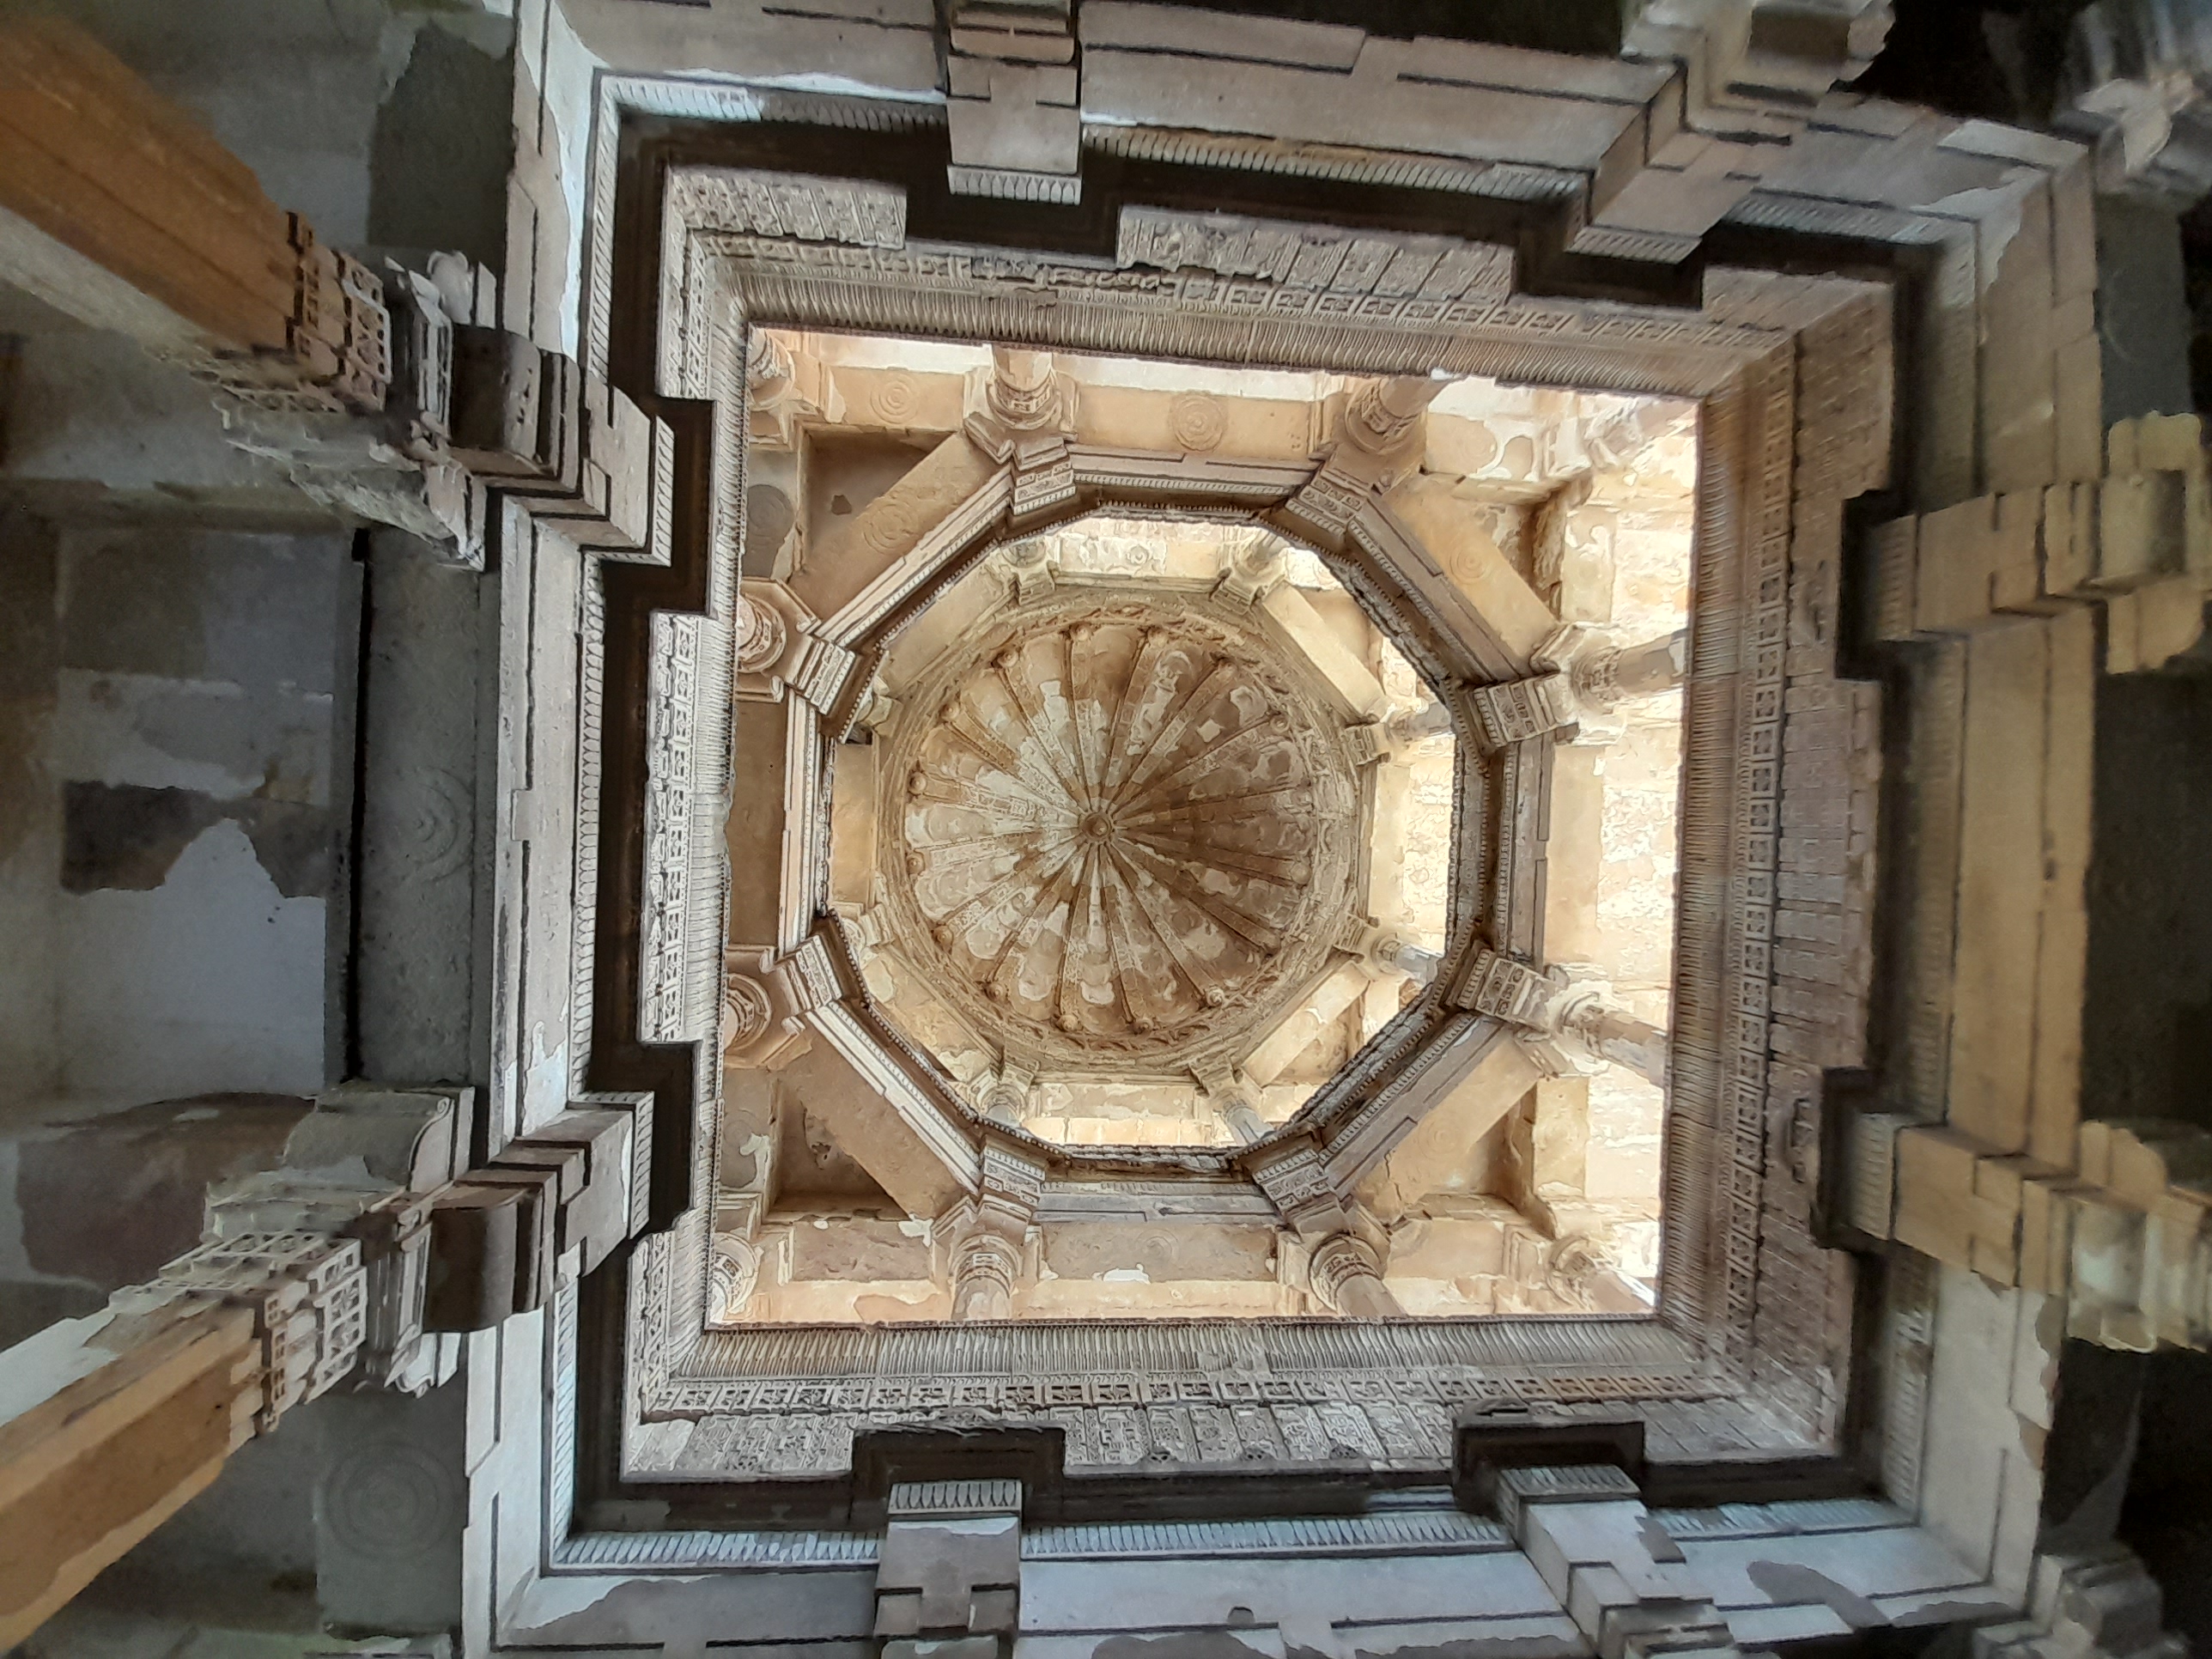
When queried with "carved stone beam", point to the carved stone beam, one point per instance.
{"points": [[1346, 1271], [2123, 1238], [2133, 84], [1746, 79], [1514, 710], [1298, 1183], [1011, 1181], [949, 1570], [2099, 1603], [337, 1267], [1625, 1582]]}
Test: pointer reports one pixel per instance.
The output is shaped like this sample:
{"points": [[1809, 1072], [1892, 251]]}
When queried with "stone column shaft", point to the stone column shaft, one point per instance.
{"points": [[1430, 720], [1347, 1273], [1021, 386], [1605, 678], [984, 1269], [1613, 1034]]}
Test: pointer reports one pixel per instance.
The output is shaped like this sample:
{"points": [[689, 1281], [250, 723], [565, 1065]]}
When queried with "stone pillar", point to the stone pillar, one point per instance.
{"points": [[1603, 677], [1612, 1033], [1381, 414], [1575, 1021], [1395, 955], [1030, 562], [1380, 441], [1430, 720], [117, 1420], [879, 707], [1007, 1100], [761, 636], [1254, 566], [1020, 413], [768, 367], [984, 1261], [1023, 394], [180, 250], [1347, 1274], [1231, 1098], [984, 1269]]}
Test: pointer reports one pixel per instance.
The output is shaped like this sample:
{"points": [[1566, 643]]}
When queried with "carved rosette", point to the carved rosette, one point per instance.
{"points": [[1122, 829]]}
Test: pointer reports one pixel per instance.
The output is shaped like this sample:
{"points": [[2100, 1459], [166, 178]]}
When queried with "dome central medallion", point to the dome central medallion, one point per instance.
{"points": [[1128, 827]]}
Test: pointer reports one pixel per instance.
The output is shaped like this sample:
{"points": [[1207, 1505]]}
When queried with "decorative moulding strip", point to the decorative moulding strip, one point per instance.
{"points": [[1439, 1531], [956, 292], [1244, 1357]]}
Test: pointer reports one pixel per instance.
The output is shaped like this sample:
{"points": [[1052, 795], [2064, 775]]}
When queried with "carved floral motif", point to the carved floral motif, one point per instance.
{"points": [[1116, 822]]}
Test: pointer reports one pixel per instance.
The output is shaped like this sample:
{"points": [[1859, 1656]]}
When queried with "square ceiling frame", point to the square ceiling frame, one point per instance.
{"points": [[1782, 369]]}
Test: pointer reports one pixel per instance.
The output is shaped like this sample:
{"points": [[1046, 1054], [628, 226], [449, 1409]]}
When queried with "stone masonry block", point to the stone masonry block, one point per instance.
{"points": [[1959, 1202]]}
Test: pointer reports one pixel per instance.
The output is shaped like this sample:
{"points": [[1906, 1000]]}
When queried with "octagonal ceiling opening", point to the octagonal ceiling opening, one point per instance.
{"points": [[1161, 823], [1146, 827]]}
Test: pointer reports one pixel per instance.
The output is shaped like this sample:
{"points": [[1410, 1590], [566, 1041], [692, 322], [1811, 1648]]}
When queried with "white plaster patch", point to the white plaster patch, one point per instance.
{"points": [[211, 982]]}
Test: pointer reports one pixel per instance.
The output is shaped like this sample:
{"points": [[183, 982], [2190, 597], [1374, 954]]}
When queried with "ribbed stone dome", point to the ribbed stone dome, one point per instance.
{"points": [[1121, 825]]}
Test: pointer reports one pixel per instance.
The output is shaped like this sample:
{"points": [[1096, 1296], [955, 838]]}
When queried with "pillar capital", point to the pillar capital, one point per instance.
{"points": [[1234, 1101], [1380, 415], [1254, 566], [1021, 412], [985, 1269], [1346, 1271]]}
